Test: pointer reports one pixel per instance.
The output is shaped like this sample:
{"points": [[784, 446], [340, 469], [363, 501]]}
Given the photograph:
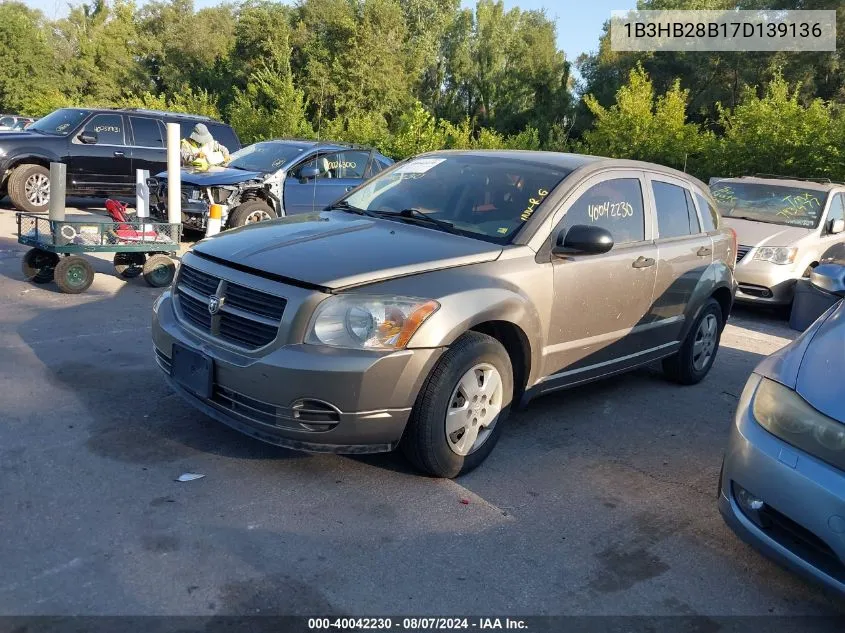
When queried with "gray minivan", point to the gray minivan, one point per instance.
{"points": [[423, 305]]}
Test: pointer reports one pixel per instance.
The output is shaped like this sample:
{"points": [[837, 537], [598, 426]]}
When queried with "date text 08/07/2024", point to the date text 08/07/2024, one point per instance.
{"points": [[416, 624]]}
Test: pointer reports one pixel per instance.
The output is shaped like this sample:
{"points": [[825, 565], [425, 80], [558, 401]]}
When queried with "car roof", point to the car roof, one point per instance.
{"points": [[306, 143], [143, 111], [815, 185]]}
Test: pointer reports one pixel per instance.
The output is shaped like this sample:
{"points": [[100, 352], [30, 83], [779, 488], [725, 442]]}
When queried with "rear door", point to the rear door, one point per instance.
{"points": [[684, 252], [104, 166], [149, 140]]}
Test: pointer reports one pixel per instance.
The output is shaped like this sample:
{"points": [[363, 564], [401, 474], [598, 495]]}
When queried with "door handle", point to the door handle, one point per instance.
{"points": [[119, 154], [643, 262], [704, 251]]}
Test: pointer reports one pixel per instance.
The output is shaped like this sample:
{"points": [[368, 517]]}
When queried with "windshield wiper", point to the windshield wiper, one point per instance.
{"points": [[343, 205], [750, 219], [415, 215]]}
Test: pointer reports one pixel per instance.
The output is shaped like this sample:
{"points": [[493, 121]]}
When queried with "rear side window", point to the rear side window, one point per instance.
{"points": [[148, 132], [673, 213], [694, 224], [108, 128], [709, 214], [616, 205]]}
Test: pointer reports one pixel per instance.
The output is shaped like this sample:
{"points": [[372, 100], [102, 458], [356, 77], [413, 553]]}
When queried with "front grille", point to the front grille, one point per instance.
{"points": [[741, 251], [248, 318]]}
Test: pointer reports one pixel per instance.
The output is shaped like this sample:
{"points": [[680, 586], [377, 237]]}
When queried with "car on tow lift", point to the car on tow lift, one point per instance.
{"points": [[419, 308], [271, 179]]}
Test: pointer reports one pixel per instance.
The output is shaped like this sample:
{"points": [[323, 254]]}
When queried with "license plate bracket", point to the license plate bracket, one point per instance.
{"points": [[192, 370]]}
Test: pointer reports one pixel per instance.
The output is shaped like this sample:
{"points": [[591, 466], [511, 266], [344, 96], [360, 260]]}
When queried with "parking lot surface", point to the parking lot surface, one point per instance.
{"points": [[600, 500]]}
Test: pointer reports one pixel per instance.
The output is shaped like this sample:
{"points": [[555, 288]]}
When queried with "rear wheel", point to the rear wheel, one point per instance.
{"points": [[38, 266], [251, 212], [29, 188], [74, 274], [698, 350], [461, 408], [129, 265], [159, 271]]}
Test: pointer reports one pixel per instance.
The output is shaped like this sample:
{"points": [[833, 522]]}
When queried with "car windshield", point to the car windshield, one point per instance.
{"points": [[770, 203], [59, 123], [266, 157], [477, 196]]}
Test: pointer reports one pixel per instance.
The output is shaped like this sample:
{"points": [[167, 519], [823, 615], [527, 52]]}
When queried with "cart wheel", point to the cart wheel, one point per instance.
{"points": [[129, 265], [159, 271], [74, 274], [38, 265]]}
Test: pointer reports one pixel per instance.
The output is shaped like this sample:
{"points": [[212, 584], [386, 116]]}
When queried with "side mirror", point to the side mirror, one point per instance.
{"points": [[89, 138], [309, 173], [830, 278], [835, 226], [581, 238]]}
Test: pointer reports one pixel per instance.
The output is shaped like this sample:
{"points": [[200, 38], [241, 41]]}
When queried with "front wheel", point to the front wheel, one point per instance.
{"points": [[698, 351], [251, 212], [29, 188], [461, 408]]}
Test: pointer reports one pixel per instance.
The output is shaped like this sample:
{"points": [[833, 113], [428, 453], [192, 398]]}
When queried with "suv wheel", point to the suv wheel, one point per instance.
{"points": [[698, 350], [461, 408], [251, 212], [29, 188]]}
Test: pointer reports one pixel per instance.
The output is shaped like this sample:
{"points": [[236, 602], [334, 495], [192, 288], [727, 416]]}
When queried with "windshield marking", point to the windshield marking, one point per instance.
{"points": [[533, 203], [419, 166]]}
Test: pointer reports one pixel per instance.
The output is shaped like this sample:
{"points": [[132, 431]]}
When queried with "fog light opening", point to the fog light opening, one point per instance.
{"points": [[751, 505]]}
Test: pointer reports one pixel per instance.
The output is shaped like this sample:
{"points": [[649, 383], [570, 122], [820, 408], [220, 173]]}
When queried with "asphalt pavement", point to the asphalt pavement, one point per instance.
{"points": [[597, 501]]}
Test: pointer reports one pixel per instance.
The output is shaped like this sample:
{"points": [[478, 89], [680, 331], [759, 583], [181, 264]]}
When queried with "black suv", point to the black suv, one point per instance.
{"points": [[101, 148]]}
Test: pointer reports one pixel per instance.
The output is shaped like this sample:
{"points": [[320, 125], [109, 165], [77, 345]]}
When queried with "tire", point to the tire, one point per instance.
{"points": [[159, 271], [250, 212], [29, 188], [74, 274], [129, 265], [687, 367], [426, 442], [38, 266]]}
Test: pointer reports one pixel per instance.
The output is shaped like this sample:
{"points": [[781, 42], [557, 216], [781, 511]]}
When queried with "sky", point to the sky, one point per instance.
{"points": [[577, 33]]}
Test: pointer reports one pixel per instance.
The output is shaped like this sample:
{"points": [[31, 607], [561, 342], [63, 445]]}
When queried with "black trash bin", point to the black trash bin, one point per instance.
{"points": [[809, 304]]}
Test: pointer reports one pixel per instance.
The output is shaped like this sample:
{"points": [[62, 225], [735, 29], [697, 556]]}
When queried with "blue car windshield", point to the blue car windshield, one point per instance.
{"points": [[265, 157], [474, 195], [59, 123], [770, 203]]}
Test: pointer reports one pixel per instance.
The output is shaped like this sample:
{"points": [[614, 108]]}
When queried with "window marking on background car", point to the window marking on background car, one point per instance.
{"points": [[62, 127], [503, 230], [107, 128], [724, 194], [611, 210], [798, 205], [419, 166], [344, 164], [533, 203]]}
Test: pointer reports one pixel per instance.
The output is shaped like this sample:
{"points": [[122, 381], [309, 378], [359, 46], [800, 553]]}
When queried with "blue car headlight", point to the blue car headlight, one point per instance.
{"points": [[786, 415]]}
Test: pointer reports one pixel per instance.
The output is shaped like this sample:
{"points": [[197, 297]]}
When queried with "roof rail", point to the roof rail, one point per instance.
{"points": [[166, 113], [821, 181]]}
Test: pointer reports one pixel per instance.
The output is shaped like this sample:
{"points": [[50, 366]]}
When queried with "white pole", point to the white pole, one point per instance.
{"points": [[58, 174], [142, 193], [174, 175]]}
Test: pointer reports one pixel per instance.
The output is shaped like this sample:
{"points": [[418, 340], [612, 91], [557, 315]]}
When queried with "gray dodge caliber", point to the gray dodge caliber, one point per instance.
{"points": [[418, 309]]}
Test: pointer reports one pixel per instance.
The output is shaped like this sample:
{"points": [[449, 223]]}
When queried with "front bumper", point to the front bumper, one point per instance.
{"points": [[804, 497], [363, 399], [765, 282]]}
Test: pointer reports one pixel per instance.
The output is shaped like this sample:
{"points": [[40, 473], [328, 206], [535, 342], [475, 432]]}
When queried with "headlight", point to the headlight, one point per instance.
{"points": [[2, 152], [776, 254], [368, 322], [786, 415]]}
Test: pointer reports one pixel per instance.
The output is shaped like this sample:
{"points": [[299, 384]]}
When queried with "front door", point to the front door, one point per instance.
{"points": [[102, 166], [684, 253], [340, 172], [601, 302]]}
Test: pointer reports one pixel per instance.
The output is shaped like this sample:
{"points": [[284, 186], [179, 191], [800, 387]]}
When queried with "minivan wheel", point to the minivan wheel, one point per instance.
{"points": [[29, 188], [698, 350], [251, 212], [461, 408]]}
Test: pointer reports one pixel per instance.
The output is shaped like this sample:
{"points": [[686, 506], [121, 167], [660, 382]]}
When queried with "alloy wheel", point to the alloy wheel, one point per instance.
{"points": [[705, 342], [37, 190]]}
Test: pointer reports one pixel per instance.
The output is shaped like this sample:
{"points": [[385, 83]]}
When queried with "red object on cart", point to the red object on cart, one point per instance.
{"points": [[118, 213]]}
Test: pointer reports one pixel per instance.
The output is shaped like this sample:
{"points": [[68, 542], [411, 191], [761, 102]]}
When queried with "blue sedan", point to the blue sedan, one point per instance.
{"points": [[782, 487]]}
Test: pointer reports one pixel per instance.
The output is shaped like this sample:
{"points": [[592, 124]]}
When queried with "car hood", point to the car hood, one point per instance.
{"points": [[822, 369], [335, 249], [750, 233], [18, 135], [215, 176]]}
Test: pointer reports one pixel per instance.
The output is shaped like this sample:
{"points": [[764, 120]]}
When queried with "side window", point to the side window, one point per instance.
{"points": [[671, 206], [709, 214], [108, 128], [837, 208], [352, 164], [326, 163], [694, 224], [148, 132], [616, 205]]}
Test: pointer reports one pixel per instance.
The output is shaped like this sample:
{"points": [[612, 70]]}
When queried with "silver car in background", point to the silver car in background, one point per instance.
{"points": [[783, 227], [782, 487]]}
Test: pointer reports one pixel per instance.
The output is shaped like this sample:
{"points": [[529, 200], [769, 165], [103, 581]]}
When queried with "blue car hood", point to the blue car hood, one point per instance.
{"points": [[214, 176], [822, 372]]}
